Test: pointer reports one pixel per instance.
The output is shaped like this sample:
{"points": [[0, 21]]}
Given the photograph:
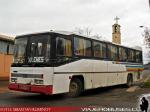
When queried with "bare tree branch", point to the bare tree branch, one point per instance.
{"points": [[87, 31], [83, 31], [97, 36], [146, 35]]}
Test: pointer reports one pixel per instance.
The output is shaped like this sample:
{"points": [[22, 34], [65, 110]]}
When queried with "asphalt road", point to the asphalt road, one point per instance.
{"points": [[116, 96]]}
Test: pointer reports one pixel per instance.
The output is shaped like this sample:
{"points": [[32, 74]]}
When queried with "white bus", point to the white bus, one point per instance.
{"points": [[62, 62]]}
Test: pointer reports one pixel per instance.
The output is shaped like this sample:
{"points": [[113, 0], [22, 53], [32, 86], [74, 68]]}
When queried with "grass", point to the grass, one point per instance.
{"points": [[147, 83]]}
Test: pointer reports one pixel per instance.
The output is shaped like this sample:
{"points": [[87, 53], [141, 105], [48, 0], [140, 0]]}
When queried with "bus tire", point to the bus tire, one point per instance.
{"points": [[129, 81], [75, 88]]}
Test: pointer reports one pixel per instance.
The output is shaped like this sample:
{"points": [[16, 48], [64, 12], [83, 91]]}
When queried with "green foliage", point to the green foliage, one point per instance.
{"points": [[146, 83]]}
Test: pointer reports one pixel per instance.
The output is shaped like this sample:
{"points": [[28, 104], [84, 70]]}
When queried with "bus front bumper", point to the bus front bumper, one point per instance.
{"points": [[43, 89]]}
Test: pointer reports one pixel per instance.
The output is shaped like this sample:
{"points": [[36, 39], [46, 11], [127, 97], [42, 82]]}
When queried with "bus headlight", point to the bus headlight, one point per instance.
{"points": [[13, 79], [37, 81]]}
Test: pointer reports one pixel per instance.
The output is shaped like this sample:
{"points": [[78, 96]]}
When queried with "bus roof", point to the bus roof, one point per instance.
{"points": [[6, 38], [73, 33]]}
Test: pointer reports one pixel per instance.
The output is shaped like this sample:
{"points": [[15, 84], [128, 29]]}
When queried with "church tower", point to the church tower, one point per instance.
{"points": [[116, 34]]}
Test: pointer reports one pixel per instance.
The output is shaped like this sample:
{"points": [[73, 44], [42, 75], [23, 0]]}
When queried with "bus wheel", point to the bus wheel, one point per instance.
{"points": [[75, 88], [129, 81]]}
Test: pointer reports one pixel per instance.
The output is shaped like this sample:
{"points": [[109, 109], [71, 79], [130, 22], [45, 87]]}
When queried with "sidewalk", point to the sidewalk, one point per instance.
{"points": [[3, 86], [4, 78]]}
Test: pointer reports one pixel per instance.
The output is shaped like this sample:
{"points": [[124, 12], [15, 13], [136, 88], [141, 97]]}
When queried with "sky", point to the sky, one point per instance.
{"points": [[26, 16]]}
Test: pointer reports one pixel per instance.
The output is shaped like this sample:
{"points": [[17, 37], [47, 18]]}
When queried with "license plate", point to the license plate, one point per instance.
{"points": [[24, 87]]}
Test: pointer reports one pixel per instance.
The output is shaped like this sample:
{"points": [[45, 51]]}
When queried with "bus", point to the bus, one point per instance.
{"points": [[58, 62], [6, 56]]}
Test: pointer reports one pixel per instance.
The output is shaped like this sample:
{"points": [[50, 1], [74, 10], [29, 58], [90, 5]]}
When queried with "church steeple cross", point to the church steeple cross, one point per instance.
{"points": [[116, 18]]}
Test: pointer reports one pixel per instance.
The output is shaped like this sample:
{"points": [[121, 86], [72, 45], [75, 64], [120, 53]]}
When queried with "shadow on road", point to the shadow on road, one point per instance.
{"points": [[88, 93], [102, 90], [38, 97]]}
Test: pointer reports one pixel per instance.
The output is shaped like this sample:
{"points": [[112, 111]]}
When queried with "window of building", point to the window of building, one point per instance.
{"points": [[99, 49], [63, 47], [10, 48], [3, 47], [6, 47], [112, 52], [122, 54], [82, 47]]}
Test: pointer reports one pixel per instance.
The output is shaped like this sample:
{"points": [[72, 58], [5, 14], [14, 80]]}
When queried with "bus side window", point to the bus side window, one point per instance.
{"points": [[88, 48], [99, 49], [131, 55], [122, 54], [112, 52], [141, 59], [82, 47], [63, 47], [138, 56]]}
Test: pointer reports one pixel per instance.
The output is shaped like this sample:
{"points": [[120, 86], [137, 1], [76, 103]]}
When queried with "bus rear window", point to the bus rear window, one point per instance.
{"points": [[39, 47]]}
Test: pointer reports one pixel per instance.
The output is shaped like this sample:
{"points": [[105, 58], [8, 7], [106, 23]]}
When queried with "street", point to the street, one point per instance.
{"points": [[115, 96]]}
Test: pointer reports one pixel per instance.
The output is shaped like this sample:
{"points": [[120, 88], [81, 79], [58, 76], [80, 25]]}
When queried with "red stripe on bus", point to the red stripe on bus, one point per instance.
{"points": [[44, 89]]}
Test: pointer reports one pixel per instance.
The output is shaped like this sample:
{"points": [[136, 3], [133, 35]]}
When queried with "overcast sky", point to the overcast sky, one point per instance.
{"points": [[26, 16]]}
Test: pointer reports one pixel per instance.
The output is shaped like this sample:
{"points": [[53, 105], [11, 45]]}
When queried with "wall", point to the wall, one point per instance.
{"points": [[5, 63]]}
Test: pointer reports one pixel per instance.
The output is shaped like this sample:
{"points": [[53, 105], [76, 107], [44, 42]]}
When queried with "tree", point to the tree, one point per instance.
{"points": [[79, 31], [83, 31], [87, 31], [97, 36], [146, 35]]}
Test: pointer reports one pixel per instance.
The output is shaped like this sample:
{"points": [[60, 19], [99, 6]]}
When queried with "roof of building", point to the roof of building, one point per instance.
{"points": [[6, 38]]}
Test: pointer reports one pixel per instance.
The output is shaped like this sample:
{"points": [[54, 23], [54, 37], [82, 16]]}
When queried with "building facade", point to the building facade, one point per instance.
{"points": [[6, 55]]}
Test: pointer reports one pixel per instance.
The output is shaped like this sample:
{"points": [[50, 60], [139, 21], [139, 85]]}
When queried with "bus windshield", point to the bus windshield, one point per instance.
{"points": [[19, 50], [33, 49]]}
